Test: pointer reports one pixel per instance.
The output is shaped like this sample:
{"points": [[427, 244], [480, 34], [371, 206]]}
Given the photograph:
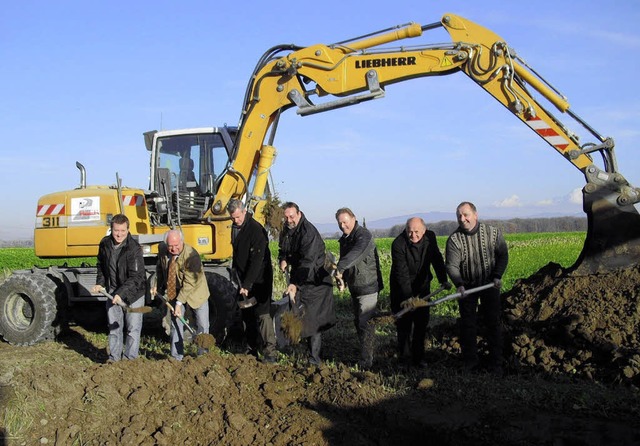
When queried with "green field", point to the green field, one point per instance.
{"points": [[527, 254]]}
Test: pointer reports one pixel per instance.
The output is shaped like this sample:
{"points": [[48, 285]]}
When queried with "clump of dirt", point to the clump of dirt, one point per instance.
{"points": [[291, 327], [581, 330], [204, 340]]}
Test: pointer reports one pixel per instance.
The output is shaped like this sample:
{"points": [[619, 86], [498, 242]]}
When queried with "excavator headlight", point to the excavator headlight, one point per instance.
{"points": [[217, 207]]}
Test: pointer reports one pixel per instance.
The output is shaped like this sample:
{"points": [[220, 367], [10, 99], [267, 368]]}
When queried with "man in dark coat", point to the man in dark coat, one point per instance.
{"points": [[121, 272], [302, 249], [477, 254], [413, 253], [252, 264], [359, 267]]}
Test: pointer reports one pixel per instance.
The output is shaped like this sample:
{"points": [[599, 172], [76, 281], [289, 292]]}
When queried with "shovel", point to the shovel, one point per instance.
{"points": [[445, 298], [126, 307], [331, 266], [204, 340], [406, 310], [243, 302], [291, 322], [459, 295]]}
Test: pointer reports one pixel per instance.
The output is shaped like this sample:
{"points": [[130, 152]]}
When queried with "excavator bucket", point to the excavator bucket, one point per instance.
{"points": [[613, 234]]}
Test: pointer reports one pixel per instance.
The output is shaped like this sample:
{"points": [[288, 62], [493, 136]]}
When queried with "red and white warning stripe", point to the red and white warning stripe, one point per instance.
{"points": [[133, 200], [50, 209], [550, 135]]}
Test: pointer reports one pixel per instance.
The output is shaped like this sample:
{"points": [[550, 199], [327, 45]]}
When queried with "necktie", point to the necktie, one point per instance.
{"points": [[171, 279]]}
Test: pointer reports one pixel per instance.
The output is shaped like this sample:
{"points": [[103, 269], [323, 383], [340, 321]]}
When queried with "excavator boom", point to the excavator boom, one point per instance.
{"points": [[354, 71]]}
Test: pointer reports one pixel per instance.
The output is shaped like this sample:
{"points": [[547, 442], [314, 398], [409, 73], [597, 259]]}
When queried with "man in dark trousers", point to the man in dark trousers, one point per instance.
{"points": [[359, 267], [413, 253], [120, 272], [302, 249], [252, 264], [477, 254]]}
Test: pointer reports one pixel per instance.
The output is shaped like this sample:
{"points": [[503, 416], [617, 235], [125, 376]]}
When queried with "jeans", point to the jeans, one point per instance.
{"points": [[117, 319], [177, 328]]}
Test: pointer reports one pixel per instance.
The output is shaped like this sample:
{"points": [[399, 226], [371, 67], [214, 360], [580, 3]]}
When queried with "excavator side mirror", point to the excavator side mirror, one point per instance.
{"points": [[148, 139]]}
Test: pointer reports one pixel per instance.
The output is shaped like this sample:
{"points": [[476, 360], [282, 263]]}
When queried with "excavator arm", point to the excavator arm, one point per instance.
{"points": [[358, 70]]}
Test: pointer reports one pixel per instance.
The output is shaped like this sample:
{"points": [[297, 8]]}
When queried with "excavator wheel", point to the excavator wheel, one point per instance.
{"points": [[222, 306], [27, 309]]}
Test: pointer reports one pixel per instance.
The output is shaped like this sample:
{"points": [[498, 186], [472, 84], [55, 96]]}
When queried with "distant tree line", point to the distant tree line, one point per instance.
{"points": [[16, 243], [515, 225]]}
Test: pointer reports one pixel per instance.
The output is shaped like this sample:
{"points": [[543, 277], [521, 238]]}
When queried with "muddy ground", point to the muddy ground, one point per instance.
{"points": [[572, 378]]}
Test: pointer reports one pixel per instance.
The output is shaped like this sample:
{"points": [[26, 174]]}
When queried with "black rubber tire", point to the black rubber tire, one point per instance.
{"points": [[27, 309], [222, 306]]}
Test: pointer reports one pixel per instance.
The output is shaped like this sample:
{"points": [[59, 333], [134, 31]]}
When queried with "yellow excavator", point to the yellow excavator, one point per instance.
{"points": [[195, 172]]}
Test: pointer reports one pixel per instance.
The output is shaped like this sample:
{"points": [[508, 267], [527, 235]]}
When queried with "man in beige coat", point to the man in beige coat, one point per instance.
{"points": [[181, 277]]}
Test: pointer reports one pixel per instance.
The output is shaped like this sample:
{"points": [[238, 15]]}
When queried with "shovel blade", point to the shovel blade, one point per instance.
{"points": [[247, 303]]}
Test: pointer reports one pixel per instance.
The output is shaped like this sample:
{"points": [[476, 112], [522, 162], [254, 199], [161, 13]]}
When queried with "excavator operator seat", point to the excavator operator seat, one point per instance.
{"points": [[189, 200], [187, 177]]}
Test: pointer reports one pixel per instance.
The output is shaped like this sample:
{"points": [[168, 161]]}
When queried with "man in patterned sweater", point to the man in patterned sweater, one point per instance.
{"points": [[476, 254]]}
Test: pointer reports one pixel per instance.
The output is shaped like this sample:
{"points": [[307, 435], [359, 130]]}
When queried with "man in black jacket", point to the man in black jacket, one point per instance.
{"points": [[252, 264], [302, 249], [121, 272], [413, 253], [359, 268]]}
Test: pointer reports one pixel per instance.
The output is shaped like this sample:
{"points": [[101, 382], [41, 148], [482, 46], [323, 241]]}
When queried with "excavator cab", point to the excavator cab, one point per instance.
{"points": [[185, 171]]}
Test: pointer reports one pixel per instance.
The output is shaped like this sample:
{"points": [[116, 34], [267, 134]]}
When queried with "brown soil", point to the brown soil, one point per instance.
{"points": [[572, 378]]}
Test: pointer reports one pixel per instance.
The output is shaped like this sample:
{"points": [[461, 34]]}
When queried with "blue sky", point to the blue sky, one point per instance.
{"points": [[81, 81]]}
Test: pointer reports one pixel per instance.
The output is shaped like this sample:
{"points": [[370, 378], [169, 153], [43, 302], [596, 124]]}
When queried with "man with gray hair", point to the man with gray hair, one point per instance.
{"points": [[254, 273], [413, 253], [181, 276]]}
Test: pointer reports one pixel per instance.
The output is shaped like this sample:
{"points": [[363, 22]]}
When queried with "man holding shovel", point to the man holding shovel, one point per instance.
{"points": [[302, 249], [413, 253], [121, 274], [253, 270], [359, 267], [477, 254], [181, 277]]}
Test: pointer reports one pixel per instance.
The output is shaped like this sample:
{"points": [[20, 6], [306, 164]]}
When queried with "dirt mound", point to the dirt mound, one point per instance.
{"points": [[583, 325]]}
